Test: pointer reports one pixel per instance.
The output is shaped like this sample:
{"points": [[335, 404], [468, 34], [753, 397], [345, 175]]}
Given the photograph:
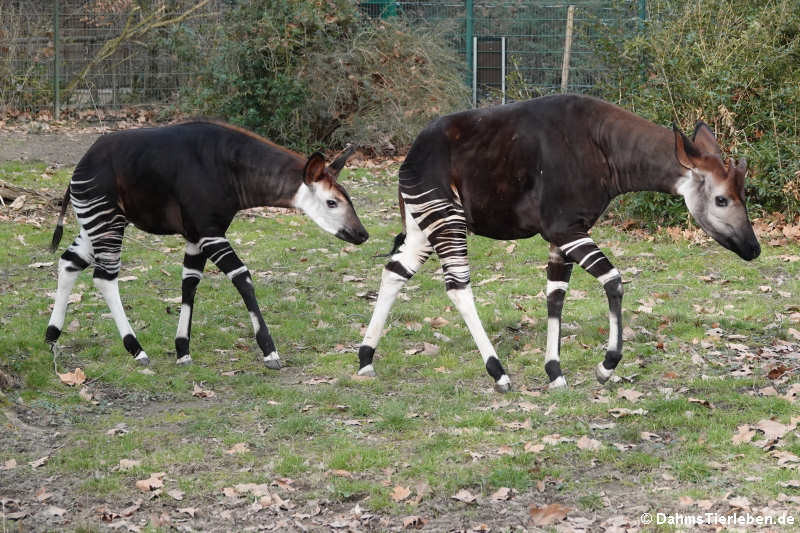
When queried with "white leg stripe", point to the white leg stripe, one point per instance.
{"points": [[183, 321], [272, 357], [553, 326], [192, 248], [465, 303], [568, 247], [186, 359], [557, 383], [611, 274], [613, 326], [191, 273], [254, 321], [141, 356], [504, 380], [587, 256], [555, 286], [595, 261], [235, 272]]}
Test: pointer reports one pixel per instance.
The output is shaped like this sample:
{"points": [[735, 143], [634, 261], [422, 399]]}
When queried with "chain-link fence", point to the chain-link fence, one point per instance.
{"points": [[72, 54]]}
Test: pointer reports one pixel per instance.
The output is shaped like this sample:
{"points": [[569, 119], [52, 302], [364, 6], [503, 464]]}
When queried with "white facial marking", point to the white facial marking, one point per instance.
{"points": [[314, 203]]}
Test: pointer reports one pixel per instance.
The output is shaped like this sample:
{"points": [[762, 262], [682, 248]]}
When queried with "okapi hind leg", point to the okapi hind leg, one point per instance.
{"points": [[559, 270], [220, 252], [76, 258], [446, 228], [586, 253], [194, 262], [404, 263]]}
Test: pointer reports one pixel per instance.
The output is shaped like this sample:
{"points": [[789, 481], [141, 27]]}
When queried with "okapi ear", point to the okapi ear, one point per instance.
{"points": [[338, 163], [315, 168], [685, 151], [704, 139]]}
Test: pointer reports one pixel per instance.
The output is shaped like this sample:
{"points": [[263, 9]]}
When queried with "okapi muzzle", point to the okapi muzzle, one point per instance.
{"points": [[714, 192], [326, 202]]}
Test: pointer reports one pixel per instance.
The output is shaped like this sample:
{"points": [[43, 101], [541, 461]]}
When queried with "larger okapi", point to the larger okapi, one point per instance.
{"points": [[189, 179], [549, 166]]}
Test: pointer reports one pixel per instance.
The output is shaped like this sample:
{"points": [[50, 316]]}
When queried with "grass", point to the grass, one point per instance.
{"points": [[431, 419]]}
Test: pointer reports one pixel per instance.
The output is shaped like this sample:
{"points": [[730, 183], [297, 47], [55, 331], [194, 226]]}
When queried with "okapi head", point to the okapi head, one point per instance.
{"points": [[714, 191], [326, 202]]}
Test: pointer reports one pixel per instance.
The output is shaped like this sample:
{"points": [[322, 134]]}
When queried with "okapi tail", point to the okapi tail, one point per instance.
{"points": [[400, 238], [60, 224]]}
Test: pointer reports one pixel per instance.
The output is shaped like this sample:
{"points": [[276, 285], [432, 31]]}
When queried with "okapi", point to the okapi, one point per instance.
{"points": [[189, 179], [547, 166]]}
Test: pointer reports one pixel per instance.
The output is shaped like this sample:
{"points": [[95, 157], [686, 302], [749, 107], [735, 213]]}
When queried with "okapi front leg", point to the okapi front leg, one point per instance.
{"points": [[410, 256], [559, 270], [194, 262], [586, 253], [219, 250]]}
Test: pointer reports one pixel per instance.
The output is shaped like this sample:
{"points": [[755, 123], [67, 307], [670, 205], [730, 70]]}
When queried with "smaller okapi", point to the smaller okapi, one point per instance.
{"points": [[548, 166], [189, 179]]}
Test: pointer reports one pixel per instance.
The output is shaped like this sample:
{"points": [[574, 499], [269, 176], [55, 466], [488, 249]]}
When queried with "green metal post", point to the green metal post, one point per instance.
{"points": [[56, 59], [469, 14]]}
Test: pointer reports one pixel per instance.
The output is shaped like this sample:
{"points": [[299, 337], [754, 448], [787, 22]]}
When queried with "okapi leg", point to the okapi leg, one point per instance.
{"points": [[446, 227], [559, 270], [219, 250], [586, 253], [194, 261], [75, 259], [414, 251], [107, 249]]}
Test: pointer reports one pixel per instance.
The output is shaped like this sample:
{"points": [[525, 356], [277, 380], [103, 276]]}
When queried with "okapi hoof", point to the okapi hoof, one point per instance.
{"points": [[142, 359], [185, 360], [558, 383], [602, 373], [273, 361], [503, 384], [367, 371]]}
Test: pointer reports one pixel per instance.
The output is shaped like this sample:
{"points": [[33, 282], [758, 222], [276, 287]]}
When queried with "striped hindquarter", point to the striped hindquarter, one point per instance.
{"points": [[432, 224]]}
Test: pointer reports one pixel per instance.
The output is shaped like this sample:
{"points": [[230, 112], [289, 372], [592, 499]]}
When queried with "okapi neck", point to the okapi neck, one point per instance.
{"points": [[641, 157], [271, 180]]}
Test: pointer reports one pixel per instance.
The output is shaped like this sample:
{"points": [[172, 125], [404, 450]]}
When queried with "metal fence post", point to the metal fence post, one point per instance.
{"points": [[567, 49], [468, 23], [475, 72], [56, 59], [503, 67]]}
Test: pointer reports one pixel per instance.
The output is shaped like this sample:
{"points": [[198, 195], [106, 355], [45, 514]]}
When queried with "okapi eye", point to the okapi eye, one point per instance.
{"points": [[721, 201], [332, 203]]}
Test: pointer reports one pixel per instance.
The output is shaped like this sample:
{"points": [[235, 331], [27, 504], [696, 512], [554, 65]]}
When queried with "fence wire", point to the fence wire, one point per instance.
{"points": [[78, 54]]}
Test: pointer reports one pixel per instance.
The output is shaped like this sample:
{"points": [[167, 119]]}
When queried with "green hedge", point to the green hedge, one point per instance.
{"points": [[732, 63]]}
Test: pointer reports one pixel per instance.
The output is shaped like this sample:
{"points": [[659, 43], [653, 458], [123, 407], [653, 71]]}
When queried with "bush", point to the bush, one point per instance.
{"points": [[734, 64], [313, 73]]}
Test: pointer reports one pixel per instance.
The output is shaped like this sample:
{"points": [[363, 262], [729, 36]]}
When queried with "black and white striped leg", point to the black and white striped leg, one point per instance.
{"points": [[220, 252], [586, 253], [445, 226], [559, 270], [194, 263], [75, 259], [107, 250], [414, 251]]}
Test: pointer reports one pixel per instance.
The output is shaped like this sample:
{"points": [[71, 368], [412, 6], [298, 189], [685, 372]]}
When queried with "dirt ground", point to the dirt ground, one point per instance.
{"points": [[54, 148]]}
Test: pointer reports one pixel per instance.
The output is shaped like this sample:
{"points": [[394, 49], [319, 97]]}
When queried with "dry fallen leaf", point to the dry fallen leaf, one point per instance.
{"points": [[191, 511], [743, 435], [533, 448], [342, 473], [704, 403], [629, 394], [155, 481], [119, 429], [400, 493], [619, 412], [501, 494], [439, 322], [54, 511], [39, 462], [239, 447], [200, 392], [76, 377], [42, 494], [548, 515], [586, 443], [10, 464], [128, 464], [176, 494], [464, 496], [413, 521]]}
